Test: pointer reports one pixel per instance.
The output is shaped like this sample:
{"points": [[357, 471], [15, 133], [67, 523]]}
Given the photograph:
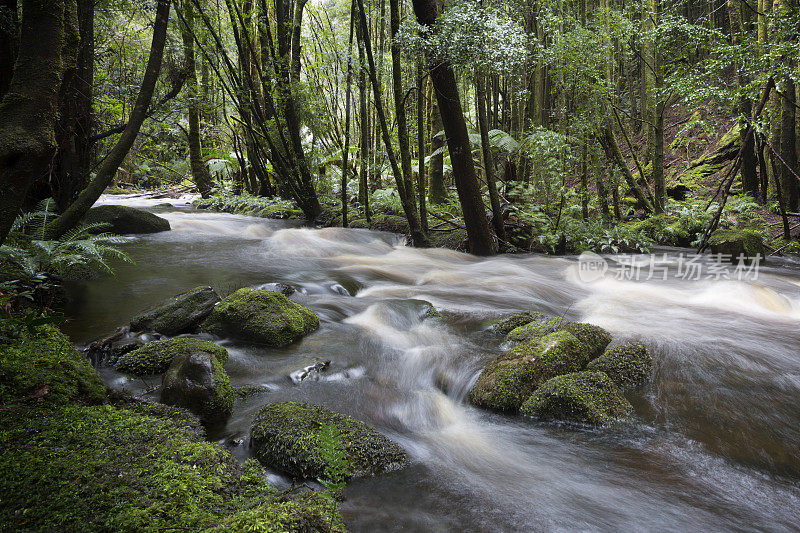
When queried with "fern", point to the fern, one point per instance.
{"points": [[337, 469]]}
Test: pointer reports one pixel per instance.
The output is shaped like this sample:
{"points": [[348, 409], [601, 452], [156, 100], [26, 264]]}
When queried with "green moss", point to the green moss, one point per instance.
{"points": [[663, 229], [628, 365], [107, 469], [45, 366], [735, 242], [540, 326], [359, 223], [512, 322], [180, 314], [510, 379], [156, 356], [261, 316], [585, 397], [287, 436], [453, 240], [390, 223], [246, 391], [310, 511], [593, 337]]}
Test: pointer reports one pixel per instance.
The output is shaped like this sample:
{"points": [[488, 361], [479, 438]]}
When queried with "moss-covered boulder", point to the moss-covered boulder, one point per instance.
{"points": [[628, 365], [155, 357], [123, 220], [180, 314], [512, 377], [291, 437], [306, 512], [595, 338], [453, 240], [512, 322], [539, 326], [359, 223], [585, 397], [737, 242], [390, 223], [261, 316], [43, 366], [198, 382]]}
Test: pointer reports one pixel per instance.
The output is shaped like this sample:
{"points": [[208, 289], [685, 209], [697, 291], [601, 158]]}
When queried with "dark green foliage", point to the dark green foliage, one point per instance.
{"points": [[454, 240], [261, 316], [509, 380], [628, 365], [585, 397], [255, 206], [155, 357], [180, 314], [289, 436], [124, 220], [44, 366]]}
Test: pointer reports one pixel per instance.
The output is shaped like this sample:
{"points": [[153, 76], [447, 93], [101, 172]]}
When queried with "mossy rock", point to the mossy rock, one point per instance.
{"points": [[595, 338], [198, 382], [512, 377], [287, 436], [156, 357], [663, 229], [540, 326], [359, 223], [44, 367], [103, 468], [628, 365], [123, 220], [453, 240], [279, 212], [390, 223], [584, 397], [737, 242], [512, 322], [180, 314], [261, 316]]}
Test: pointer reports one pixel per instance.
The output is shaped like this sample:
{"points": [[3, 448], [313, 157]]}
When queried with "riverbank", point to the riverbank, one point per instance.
{"points": [[78, 456]]}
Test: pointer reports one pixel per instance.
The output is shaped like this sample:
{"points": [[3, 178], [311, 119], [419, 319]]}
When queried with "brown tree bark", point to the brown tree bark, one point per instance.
{"points": [[488, 162], [437, 192], [8, 42], [29, 110], [105, 174], [446, 88]]}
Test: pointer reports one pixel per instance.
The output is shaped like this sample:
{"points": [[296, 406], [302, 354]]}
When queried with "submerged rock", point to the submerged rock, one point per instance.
{"points": [[736, 242], [512, 377], [198, 382], [290, 436], [390, 223], [156, 357], [628, 365], [261, 316], [586, 397], [311, 372], [124, 220], [180, 314]]}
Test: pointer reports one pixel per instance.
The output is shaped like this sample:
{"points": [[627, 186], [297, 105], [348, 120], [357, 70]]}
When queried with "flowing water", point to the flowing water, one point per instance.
{"points": [[714, 445]]}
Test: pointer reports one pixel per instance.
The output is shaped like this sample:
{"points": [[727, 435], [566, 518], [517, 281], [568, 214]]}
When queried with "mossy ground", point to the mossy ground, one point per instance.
{"points": [[46, 365], [156, 356], [266, 317], [128, 466], [287, 436], [585, 397]]}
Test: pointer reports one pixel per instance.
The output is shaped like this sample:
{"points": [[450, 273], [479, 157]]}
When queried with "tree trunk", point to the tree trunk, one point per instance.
{"points": [[29, 110], [200, 173], [444, 83], [105, 174], [486, 150], [8, 42], [437, 192], [423, 209], [346, 143], [787, 146]]}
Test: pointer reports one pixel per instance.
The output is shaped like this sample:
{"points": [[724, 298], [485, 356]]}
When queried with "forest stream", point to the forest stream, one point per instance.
{"points": [[713, 443]]}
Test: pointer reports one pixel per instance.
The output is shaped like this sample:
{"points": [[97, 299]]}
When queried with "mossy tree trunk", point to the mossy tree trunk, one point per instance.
{"points": [[469, 193], [9, 26], [200, 173], [29, 110], [437, 192], [108, 169]]}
